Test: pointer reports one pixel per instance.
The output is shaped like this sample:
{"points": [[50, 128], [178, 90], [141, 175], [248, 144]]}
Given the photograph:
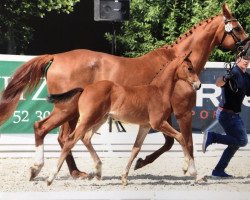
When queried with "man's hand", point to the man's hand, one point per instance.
{"points": [[220, 82], [227, 77]]}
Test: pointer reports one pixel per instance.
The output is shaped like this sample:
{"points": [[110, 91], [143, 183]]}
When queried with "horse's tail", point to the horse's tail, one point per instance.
{"points": [[27, 77]]}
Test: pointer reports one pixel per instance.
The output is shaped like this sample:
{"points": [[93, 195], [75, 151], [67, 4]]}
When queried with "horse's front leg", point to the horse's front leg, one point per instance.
{"points": [[169, 141], [167, 129], [185, 124], [182, 101], [143, 130]]}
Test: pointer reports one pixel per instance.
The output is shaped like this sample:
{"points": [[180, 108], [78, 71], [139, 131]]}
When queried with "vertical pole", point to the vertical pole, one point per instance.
{"points": [[118, 124], [113, 50]]}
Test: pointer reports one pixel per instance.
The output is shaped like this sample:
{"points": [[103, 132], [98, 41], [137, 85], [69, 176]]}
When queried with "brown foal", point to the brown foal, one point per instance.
{"points": [[146, 105]]}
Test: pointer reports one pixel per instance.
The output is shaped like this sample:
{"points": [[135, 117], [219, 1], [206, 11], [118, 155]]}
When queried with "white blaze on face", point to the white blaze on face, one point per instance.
{"points": [[39, 155]]}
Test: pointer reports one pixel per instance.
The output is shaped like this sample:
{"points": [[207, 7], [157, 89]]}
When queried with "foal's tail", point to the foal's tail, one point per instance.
{"points": [[27, 77]]}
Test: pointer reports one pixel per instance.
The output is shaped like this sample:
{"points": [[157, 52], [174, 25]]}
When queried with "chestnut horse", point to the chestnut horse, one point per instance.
{"points": [[79, 68], [145, 105]]}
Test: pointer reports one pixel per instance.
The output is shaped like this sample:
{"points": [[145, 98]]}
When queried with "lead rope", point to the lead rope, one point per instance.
{"points": [[232, 83]]}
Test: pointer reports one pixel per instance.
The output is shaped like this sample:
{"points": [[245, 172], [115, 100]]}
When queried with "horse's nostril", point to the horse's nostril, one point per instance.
{"points": [[199, 86]]}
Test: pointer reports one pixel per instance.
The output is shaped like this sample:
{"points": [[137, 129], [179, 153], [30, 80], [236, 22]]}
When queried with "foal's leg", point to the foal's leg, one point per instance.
{"points": [[143, 130], [169, 141], [97, 161], [65, 130], [69, 144]]}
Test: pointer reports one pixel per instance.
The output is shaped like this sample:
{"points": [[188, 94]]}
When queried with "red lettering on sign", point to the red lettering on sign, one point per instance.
{"points": [[204, 114], [214, 114], [193, 112]]}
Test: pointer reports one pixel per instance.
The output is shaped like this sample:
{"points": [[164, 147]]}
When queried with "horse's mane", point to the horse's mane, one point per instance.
{"points": [[190, 31]]}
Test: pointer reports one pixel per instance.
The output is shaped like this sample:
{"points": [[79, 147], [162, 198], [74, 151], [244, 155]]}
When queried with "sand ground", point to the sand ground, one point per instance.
{"points": [[163, 175]]}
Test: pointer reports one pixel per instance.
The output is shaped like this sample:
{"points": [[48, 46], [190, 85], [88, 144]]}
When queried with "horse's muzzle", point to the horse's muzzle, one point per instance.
{"points": [[196, 85]]}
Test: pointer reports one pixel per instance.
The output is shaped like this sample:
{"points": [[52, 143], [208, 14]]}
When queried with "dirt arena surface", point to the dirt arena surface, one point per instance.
{"points": [[164, 174]]}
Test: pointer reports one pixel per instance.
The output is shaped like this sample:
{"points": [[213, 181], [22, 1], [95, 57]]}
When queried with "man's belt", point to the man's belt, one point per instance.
{"points": [[227, 110]]}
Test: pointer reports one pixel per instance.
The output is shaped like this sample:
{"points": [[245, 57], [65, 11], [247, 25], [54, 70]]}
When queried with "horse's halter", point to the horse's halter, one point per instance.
{"points": [[229, 30]]}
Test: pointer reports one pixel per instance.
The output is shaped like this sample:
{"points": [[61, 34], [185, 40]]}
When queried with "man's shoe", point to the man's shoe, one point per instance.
{"points": [[220, 174], [207, 140]]}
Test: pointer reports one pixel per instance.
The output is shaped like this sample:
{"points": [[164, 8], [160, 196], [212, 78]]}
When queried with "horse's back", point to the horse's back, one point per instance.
{"points": [[81, 67]]}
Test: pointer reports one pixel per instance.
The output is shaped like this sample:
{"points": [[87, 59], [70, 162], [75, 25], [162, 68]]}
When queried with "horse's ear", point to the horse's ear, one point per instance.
{"points": [[226, 11]]}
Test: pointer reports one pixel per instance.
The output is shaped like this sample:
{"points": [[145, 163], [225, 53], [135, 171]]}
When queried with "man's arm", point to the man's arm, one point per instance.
{"points": [[221, 81]]}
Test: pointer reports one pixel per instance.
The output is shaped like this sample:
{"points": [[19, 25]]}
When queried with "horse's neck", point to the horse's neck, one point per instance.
{"points": [[158, 58], [201, 40]]}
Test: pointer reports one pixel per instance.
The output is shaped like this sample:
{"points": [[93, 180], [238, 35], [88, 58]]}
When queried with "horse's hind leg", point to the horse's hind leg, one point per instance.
{"points": [[169, 141], [65, 130], [40, 133], [143, 130], [41, 129]]}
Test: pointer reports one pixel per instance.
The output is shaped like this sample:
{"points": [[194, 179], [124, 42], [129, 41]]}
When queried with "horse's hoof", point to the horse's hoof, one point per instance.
{"points": [[184, 171], [201, 179], [49, 183], [98, 176], [34, 171], [91, 175], [139, 164], [185, 168], [78, 174], [124, 181], [32, 174]]}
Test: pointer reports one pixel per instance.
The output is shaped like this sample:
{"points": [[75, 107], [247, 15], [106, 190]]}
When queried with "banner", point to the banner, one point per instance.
{"points": [[34, 107], [31, 108]]}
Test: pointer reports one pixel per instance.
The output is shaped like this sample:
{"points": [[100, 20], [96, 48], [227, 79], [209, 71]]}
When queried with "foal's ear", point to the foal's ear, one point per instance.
{"points": [[226, 11]]}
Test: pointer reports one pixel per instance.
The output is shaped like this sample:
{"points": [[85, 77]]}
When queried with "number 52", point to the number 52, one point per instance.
{"points": [[20, 116]]}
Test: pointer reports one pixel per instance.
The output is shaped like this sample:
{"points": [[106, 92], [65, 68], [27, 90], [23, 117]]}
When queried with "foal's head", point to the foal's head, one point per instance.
{"points": [[185, 71]]}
